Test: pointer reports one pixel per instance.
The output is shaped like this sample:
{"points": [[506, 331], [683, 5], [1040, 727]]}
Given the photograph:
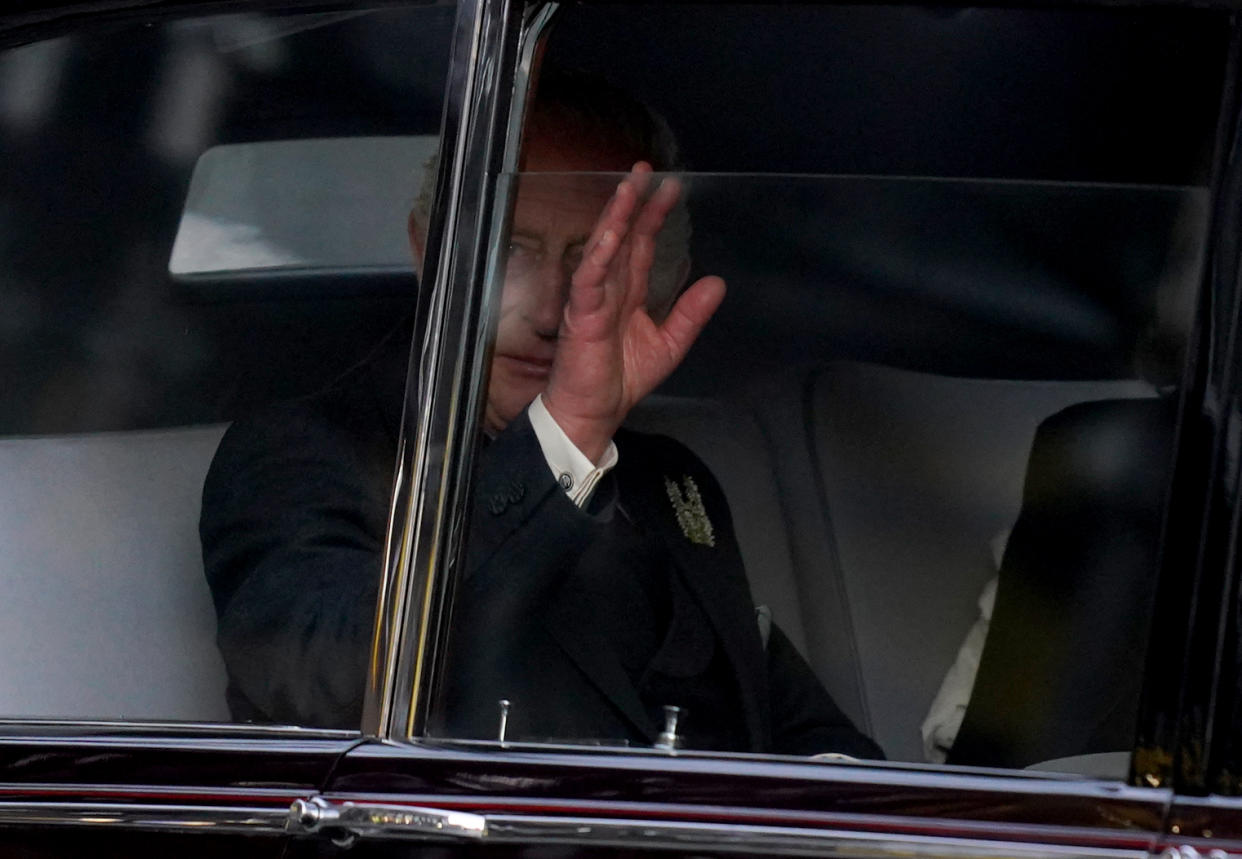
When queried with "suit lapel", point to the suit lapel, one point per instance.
{"points": [[714, 576]]}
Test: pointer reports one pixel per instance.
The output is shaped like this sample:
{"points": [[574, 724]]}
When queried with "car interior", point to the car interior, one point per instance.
{"points": [[940, 228]]}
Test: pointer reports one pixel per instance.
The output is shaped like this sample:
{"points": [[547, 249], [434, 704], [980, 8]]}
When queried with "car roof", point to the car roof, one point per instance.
{"points": [[23, 20], [27, 20]]}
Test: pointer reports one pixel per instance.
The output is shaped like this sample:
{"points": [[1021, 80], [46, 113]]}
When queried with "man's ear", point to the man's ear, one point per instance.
{"points": [[418, 241]]}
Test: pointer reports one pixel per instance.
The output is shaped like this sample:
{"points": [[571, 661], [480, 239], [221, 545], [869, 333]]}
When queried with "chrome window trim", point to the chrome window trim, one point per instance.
{"points": [[435, 445], [515, 829], [467, 394], [242, 820], [59, 730], [779, 840], [388, 675]]}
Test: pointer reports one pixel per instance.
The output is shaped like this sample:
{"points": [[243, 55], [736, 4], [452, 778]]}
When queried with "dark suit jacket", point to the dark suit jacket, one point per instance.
{"points": [[294, 512]]}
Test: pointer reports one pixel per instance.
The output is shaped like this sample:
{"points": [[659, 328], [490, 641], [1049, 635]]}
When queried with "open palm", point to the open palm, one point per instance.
{"points": [[610, 352]]}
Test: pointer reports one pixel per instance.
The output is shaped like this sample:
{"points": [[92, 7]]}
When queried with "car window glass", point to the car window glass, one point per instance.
{"points": [[903, 496], [164, 189]]}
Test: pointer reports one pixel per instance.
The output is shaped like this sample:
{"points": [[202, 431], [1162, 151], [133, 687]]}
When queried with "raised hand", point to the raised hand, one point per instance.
{"points": [[610, 353]]}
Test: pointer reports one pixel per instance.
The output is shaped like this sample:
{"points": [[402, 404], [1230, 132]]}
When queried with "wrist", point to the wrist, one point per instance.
{"points": [[591, 436]]}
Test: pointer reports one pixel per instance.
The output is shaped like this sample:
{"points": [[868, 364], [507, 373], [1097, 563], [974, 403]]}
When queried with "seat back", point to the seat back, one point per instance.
{"points": [[918, 474], [106, 611], [864, 498]]}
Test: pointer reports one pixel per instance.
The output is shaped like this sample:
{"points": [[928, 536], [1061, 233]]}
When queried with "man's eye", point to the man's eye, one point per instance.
{"points": [[573, 258], [520, 260]]}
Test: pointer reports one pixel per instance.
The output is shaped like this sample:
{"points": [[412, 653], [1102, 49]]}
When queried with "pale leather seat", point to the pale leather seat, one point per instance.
{"points": [[106, 612], [895, 483], [864, 498]]}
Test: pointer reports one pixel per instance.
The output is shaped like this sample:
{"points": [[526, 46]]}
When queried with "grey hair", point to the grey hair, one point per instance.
{"points": [[594, 112]]}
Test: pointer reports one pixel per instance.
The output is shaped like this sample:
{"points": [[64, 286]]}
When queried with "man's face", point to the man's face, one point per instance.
{"points": [[552, 219]]}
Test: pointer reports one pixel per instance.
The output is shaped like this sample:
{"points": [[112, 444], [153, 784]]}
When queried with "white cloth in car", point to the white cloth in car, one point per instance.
{"points": [[948, 708], [571, 468]]}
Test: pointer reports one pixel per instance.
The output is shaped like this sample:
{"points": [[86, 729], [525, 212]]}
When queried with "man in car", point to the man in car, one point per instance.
{"points": [[602, 580]]}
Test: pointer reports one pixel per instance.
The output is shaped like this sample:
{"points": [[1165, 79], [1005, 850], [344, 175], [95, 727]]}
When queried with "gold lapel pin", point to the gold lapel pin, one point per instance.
{"points": [[691, 515]]}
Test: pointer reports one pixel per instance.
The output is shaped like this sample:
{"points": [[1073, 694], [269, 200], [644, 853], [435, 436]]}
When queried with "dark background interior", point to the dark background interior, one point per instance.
{"points": [[1026, 282], [94, 334]]}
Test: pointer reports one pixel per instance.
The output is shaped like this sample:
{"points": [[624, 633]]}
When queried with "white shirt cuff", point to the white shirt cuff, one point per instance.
{"points": [[571, 468]]}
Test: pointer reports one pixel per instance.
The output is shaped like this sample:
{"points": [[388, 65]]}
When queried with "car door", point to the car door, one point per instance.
{"points": [[1203, 759], [982, 230]]}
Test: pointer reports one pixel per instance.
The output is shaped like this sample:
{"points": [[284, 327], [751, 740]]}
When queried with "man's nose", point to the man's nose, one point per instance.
{"points": [[549, 293]]}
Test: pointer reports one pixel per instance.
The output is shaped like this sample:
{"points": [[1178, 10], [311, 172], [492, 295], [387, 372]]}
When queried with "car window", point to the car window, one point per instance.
{"points": [[903, 496], [169, 190]]}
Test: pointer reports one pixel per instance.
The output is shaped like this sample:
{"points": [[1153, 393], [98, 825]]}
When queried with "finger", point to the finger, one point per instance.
{"points": [[638, 272], [607, 253], [688, 316], [616, 283], [604, 242], [653, 213], [645, 234], [599, 283], [639, 178], [620, 208], [609, 229], [587, 291]]}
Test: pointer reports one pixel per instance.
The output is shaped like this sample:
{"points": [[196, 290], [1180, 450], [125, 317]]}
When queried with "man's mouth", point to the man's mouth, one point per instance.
{"points": [[534, 366]]}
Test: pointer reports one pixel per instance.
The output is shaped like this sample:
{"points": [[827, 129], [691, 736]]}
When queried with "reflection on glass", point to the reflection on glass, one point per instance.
{"points": [[326, 206], [905, 488], [119, 380]]}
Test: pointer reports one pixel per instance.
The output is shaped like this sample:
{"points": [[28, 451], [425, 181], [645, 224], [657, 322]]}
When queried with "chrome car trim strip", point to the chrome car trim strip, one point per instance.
{"points": [[368, 819], [173, 818], [1188, 851], [462, 385], [968, 830], [435, 448], [365, 820], [446, 351], [218, 796], [538, 17], [515, 56], [787, 841], [890, 774], [26, 730], [417, 483]]}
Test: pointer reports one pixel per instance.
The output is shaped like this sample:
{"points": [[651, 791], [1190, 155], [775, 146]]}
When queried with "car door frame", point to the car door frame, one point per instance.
{"points": [[1206, 817]]}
